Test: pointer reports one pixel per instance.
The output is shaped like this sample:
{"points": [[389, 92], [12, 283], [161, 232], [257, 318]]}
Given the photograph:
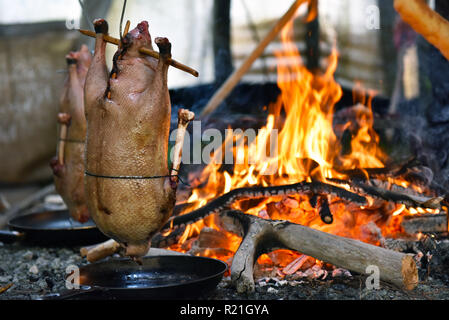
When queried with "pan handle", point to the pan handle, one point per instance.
{"points": [[69, 294], [8, 236]]}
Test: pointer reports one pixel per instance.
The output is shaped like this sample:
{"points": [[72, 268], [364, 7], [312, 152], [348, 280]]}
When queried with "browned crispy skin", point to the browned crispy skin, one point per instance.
{"points": [[69, 176], [128, 115]]}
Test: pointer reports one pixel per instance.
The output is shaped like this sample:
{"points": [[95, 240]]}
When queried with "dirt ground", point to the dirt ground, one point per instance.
{"points": [[38, 271]]}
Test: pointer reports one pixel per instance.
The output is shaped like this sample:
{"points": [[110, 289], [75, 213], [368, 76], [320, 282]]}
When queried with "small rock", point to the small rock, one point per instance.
{"points": [[5, 279], [54, 199], [42, 284], [28, 255], [56, 263], [270, 280], [340, 272], [49, 282], [34, 269], [272, 290], [46, 273], [281, 283], [295, 283]]}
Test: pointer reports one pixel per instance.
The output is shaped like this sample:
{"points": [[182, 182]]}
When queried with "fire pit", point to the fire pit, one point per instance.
{"points": [[350, 188], [37, 271]]}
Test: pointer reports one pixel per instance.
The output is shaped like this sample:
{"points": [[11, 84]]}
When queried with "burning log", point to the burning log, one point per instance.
{"points": [[410, 171], [322, 203], [260, 235], [394, 196], [324, 211], [425, 223]]}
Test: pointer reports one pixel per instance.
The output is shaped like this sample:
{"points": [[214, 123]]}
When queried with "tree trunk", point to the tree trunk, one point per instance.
{"points": [[388, 50]]}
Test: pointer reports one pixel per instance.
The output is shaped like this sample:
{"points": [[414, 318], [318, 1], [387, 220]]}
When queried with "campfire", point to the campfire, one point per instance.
{"points": [[313, 147], [293, 186]]}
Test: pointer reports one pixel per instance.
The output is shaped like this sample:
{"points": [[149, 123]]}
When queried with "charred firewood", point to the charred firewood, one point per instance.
{"points": [[324, 210], [161, 240], [322, 205], [390, 170], [413, 201], [313, 200], [425, 223], [229, 198]]}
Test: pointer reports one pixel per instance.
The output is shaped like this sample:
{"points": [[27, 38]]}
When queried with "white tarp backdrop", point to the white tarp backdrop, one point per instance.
{"points": [[30, 86]]}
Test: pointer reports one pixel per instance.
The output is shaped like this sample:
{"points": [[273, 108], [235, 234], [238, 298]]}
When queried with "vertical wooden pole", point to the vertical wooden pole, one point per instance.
{"points": [[221, 29], [313, 40]]}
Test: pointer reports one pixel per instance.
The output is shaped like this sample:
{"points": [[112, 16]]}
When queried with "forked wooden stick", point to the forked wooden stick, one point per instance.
{"points": [[146, 51], [235, 77]]}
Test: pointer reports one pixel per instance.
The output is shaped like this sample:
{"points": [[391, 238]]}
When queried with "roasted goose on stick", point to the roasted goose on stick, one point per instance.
{"points": [[130, 191], [68, 165]]}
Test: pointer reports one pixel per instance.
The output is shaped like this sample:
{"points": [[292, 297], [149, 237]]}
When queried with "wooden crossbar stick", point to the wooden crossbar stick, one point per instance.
{"points": [[144, 50], [64, 120]]}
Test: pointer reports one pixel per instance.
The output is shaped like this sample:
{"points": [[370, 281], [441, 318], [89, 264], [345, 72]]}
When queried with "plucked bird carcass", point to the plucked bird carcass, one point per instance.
{"points": [[130, 190], [68, 165]]}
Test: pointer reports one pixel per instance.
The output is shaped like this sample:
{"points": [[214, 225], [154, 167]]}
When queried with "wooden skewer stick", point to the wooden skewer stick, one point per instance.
{"points": [[235, 77], [184, 117], [100, 251], [64, 120], [146, 51]]}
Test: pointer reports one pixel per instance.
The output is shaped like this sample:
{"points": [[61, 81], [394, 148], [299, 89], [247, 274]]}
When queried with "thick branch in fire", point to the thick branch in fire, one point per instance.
{"points": [[260, 235]]}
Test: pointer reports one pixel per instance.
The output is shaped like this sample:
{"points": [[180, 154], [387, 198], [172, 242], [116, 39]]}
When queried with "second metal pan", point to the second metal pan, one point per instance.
{"points": [[51, 228], [159, 277]]}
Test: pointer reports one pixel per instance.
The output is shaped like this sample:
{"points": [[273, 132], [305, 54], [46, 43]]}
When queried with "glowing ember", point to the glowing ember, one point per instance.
{"points": [[308, 148]]}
